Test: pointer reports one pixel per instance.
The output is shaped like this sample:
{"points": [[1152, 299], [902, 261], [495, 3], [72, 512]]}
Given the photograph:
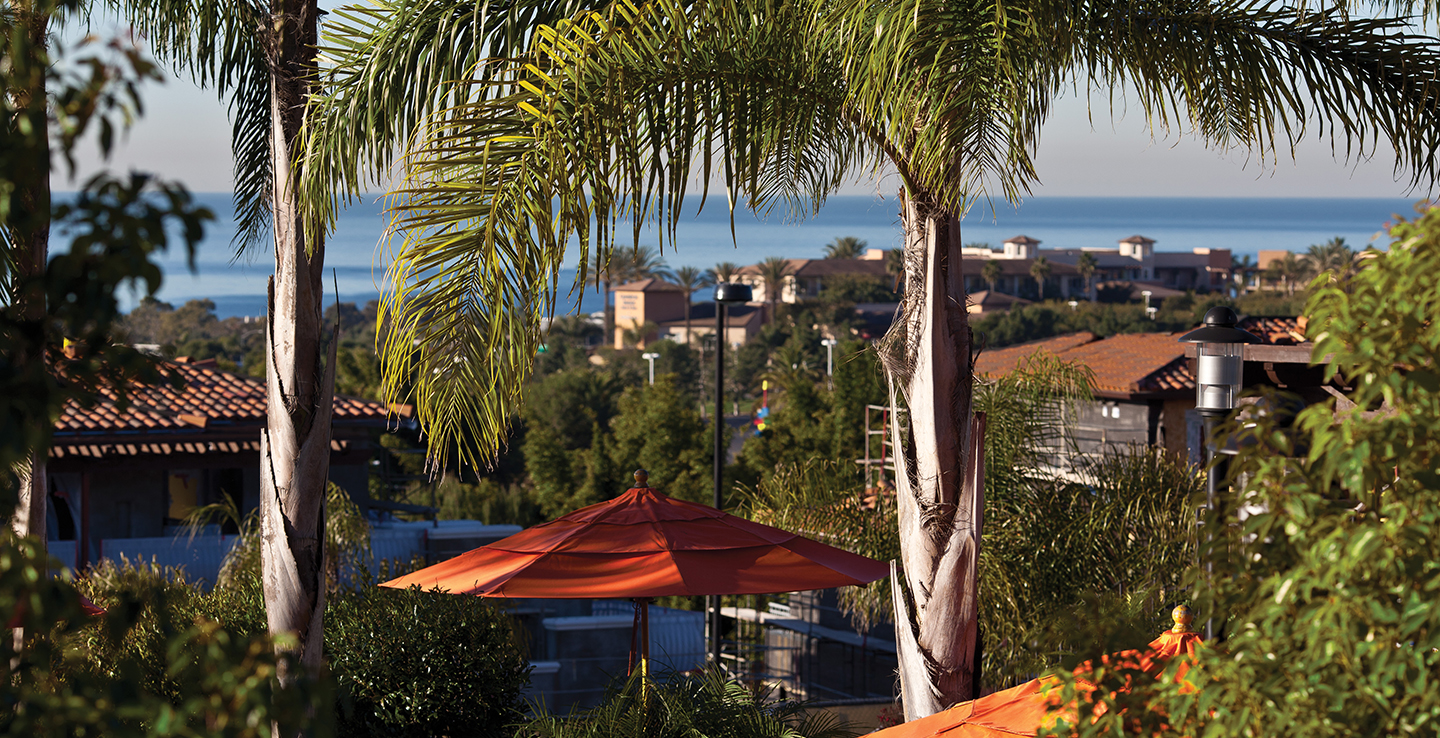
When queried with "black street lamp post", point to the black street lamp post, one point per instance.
{"points": [[1219, 374], [726, 293]]}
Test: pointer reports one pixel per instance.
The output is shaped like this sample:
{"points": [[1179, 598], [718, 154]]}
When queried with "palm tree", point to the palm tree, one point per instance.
{"points": [[691, 279], [991, 273], [598, 276], [1334, 256], [1241, 269], [725, 271], [607, 116], [262, 56], [895, 267], [845, 247], [773, 272], [639, 262], [25, 235], [1291, 270], [1040, 270], [1086, 266]]}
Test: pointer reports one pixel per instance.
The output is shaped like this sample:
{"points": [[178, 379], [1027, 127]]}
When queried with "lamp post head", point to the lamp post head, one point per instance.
{"points": [[733, 292], [650, 356], [1220, 360], [827, 342]]}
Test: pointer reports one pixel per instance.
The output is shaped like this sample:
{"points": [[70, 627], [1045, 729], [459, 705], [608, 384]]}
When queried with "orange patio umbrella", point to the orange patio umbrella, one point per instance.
{"points": [[641, 545], [1024, 709]]}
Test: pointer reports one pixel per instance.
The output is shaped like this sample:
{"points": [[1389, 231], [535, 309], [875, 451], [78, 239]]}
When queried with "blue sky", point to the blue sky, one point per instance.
{"points": [[185, 136]]}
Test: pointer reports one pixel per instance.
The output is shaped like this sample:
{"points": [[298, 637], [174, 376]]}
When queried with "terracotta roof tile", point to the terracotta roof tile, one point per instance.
{"points": [[209, 401], [1278, 331], [1126, 364], [998, 362]]}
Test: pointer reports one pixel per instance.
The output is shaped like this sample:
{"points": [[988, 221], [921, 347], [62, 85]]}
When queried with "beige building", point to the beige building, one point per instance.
{"points": [[652, 301], [807, 277], [742, 322]]}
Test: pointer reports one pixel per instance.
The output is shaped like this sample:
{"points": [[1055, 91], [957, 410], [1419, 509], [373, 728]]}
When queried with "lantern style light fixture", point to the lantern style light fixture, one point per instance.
{"points": [[1220, 361], [726, 293]]}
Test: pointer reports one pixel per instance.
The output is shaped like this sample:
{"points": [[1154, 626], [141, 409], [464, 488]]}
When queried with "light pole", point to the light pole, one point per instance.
{"points": [[726, 293], [651, 358], [1149, 310], [1219, 374], [829, 344]]}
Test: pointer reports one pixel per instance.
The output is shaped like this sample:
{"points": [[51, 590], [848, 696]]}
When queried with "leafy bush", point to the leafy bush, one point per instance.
{"points": [[1326, 583], [1051, 543], [412, 663], [684, 706]]}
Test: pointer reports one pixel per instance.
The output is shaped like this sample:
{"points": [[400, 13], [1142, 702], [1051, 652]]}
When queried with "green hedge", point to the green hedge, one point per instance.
{"points": [[405, 663], [412, 663]]}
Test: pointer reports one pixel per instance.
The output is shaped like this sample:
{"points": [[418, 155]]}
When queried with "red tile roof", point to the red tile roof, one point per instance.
{"points": [[649, 285], [1001, 361], [1277, 331], [213, 407], [1124, 365]]}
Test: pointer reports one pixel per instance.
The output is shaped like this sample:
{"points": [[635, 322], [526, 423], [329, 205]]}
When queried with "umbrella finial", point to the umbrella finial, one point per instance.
{"points": [[1183, 617], [641, 476]]}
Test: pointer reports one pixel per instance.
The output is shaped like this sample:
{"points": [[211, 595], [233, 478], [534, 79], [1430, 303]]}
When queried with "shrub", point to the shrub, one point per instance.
{"points": [[412, 663], [405, 662], [682, 706]]}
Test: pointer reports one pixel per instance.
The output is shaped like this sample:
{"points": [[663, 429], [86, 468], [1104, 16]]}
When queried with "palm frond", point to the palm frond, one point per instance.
{"points": [[220, 45], [388, 66], [605, 121]]}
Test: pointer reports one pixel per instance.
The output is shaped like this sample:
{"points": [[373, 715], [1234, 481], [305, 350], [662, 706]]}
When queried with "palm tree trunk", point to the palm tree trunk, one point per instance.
{"points": [[938, 468], [300, 386], [30, 225]]}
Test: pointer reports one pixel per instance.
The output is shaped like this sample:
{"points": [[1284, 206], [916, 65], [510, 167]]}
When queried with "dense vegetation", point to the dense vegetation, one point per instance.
{"points": [[1326, 563]]}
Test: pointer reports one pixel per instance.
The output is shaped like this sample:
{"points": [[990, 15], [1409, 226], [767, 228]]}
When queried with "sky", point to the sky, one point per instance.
{"points": [[185, 135]]}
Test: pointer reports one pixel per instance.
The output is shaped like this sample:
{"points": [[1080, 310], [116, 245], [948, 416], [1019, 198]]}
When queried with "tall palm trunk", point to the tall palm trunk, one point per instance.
{"points": [[29, 221], [300, 385], [938, 468]]}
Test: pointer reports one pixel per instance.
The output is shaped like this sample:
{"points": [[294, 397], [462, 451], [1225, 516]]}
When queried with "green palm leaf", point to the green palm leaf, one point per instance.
{"points": [[551, 152], [218, 44]]}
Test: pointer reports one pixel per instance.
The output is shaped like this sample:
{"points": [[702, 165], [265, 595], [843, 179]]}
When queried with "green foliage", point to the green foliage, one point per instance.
{"points": [[682, 706], [855, 288], [1043, 320], [157, 664], [1327, 589], [828, 501], [659, 431], [412, 663], [845, 247], [1120, 525], [404, 662], [568, 413]]}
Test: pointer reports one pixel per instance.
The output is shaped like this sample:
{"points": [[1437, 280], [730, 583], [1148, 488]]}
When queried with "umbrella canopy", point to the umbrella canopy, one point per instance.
{"points": [[645, 544], [1025, 709]]}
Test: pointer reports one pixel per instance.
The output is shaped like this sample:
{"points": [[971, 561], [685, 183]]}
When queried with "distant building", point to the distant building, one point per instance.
{"points": [[652, 301], [808, 276], [742, 322], [1134, 260], [1143, 386]]}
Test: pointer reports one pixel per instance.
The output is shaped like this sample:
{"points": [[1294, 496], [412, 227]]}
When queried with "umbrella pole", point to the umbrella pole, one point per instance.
{"points": [[641, 631], [645, 638]]}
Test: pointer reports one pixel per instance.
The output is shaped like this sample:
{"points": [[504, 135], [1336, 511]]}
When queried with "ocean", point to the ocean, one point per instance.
{"points": [[1244, 225]]}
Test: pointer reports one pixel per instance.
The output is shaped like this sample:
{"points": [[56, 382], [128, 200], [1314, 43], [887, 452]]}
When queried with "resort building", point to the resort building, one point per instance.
{"points": [[1133, 260], [805, 278], [648, 301]]}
